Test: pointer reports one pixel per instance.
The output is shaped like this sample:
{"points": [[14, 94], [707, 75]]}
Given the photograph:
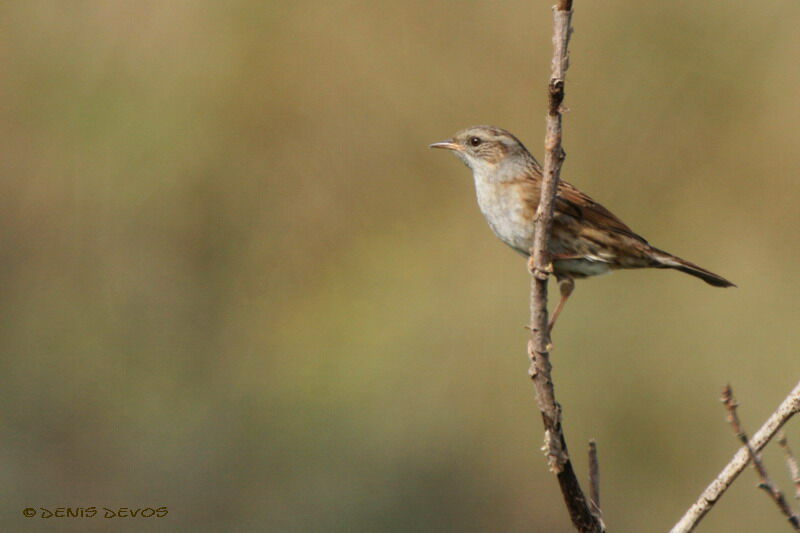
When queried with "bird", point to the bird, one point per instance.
{"points": [[586, 240]]}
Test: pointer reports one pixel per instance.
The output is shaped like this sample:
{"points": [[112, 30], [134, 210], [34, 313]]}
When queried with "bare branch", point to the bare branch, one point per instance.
{"points": [[769, 487], [539, 344], [791, 463], [555, 446], [594, 478], [788, 408]]}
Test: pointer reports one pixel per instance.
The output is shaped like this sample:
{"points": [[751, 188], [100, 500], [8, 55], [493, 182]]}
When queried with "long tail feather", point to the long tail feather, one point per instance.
{"points": [[667, 260]]}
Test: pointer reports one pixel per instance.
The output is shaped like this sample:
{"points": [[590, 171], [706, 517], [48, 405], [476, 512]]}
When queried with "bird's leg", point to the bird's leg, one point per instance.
{"points": [[565, 286]]}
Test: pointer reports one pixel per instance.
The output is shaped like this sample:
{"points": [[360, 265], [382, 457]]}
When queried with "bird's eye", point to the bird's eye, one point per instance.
{"points": [[475, 141]]}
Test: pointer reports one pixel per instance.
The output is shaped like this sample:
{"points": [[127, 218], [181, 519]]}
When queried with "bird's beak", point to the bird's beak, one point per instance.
{"points": [[448, 145]]}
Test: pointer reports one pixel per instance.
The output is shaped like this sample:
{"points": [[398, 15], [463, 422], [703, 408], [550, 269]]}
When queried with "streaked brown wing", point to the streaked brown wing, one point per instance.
{"points": [[571, 200]]}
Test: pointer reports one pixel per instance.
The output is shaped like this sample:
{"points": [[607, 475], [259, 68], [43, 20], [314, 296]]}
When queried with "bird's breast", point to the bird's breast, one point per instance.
{"points": [[509, 215]]}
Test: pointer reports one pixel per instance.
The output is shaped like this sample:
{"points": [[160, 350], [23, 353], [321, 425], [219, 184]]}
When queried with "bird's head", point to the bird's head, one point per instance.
{"points": [[487, 149]]}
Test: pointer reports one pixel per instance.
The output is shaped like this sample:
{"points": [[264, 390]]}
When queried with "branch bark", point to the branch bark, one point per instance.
{"points": [[594, 478], [791, 464], [788, 408], [765, 482], [555, 446]]}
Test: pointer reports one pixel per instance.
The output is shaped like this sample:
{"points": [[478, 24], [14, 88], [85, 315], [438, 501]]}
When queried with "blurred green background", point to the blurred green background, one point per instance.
{"points": [[236, 283]]}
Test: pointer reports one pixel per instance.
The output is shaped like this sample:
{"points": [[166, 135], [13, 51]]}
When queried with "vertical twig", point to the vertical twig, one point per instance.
{"points": [[538, 347], [791, 464], [594, 478], [765, 483], [711, 495]]}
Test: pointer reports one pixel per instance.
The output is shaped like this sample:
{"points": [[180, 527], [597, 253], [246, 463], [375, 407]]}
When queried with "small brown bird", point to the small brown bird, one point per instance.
{"points": [[587, 239]]}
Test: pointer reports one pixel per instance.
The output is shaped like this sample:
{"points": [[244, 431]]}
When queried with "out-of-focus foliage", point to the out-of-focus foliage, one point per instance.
{"points": [[235, 282]]}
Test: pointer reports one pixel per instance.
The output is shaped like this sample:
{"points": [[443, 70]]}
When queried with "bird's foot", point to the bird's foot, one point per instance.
{"points": [[539, 273]]}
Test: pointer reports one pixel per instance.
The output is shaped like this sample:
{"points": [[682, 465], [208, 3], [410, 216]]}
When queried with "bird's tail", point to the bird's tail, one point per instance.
{"points": [[667, 260]]}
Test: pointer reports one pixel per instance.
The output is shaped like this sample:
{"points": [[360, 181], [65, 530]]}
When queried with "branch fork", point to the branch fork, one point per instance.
{"points": [[789, 407]]}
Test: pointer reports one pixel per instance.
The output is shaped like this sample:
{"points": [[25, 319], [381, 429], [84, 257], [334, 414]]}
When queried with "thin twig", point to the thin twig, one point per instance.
{"points": [[538, 347], [765, 483], [594, 478], [791, 463], [711, 495]]}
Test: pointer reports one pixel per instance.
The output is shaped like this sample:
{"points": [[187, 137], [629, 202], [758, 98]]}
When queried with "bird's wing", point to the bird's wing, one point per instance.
{"points": [[571, 200]]}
